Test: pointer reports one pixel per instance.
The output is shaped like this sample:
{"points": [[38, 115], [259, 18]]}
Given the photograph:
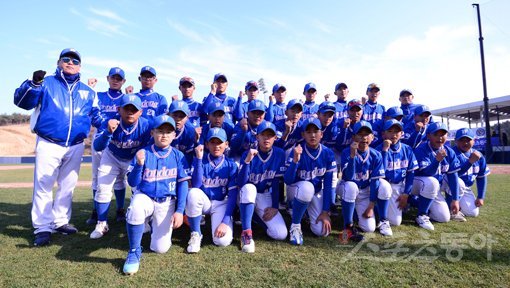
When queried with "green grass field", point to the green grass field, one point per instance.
{"points": [[475, 253]]}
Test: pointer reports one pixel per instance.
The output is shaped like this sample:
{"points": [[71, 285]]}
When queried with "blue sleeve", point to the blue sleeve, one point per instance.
{"points": [[348, 169], [238, 110], [409, 182], [102, 140], [431, 169], [135, 176], [327, 191], [481, 186], [28, 95], [374, 187], [208, 101], [237, 140], [163, 106], [290, 174], [244, 173], [465, 167], [198, 173], [269, 112], [385, 156], [453, 183], [182, 194]]}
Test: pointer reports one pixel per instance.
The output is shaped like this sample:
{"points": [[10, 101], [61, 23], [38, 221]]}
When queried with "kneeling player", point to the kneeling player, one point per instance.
{"points": [[362, 186], [214, 191], [158, 173], [309, 179], [258, 178]]}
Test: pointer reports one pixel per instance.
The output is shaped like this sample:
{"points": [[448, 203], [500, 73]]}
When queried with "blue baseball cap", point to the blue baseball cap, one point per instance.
{"points": [[163, 119], [436, 126], [217, 132], [340, 85], [373, 86], [70, 52], [405, 91], [216, 106], [278, 86], [312, 121], [421, 109], [355, 103], [266, 125], [394, 112], [392, 122], [148, 69], [464, 132], [117, 71], [360, 125], [131, 99], [220, 75], [256, 105], [250, 84], [293, 103], [179, 105], [187, 79], [309, 86], [327, 106]]}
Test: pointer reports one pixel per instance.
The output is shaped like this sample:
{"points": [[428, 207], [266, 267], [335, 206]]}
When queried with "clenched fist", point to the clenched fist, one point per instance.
{"points": [[354, 147], [475, 156], [112, 125], [440, 154], [250, 155], [298, 150], [92, 82], [129, 89], [199, 151], [386, 145], [214, 86], [140, 157]]}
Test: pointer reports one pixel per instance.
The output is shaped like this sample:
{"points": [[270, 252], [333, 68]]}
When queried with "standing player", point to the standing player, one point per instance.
{"points": [[437, 162], [153, 103], [309, 179], [214, 191], [472, 166], [109, 102], [65, 107], [259, 176], [310, 108], [241, 109], [158, 173], [363, 187], [276, 111], [399, 164], [218, 94], [120, 141], [196, 117], [406, 98], [373, 112], [341, 92]]}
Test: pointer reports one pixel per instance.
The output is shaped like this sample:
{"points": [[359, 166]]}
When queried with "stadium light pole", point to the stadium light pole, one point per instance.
{"points": [[488, 146]]}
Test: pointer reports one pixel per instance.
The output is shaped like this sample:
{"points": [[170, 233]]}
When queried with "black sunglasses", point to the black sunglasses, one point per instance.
{"points": [[69, 59]]}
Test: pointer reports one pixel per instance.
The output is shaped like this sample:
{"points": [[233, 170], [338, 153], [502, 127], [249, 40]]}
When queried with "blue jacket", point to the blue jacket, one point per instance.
{"points": [[64, 112]]}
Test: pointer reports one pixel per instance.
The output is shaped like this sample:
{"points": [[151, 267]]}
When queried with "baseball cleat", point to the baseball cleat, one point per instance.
{"points": [[42, 239], [296, 236], [424, 222], [385, 228], [132, 263], [93, 218], [101, 229], [66, 229], [121, 215], [351, 234], [194, 242], [459, 217], [247, 243]]}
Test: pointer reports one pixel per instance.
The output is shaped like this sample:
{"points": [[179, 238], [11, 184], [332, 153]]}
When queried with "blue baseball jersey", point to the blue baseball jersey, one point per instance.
{"points": [[408, 112], [293, 138], [363, 168], [470, 172], [316, 166], [153, 104], [108, 102], [164, 169], [373, 112], [344, 138], [429, 166], [216, 177], [329, 134], [412, 137], [126, 140], [185, 141], [275, 112], [229, 129], [264, 171], [243, 140], [228, 102], [398, 161], [310, 109], [196, 117], [241, 109], [341, 109]]}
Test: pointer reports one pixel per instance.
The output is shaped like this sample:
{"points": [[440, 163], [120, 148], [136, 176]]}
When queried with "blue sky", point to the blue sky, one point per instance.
{"points": [[430, 47]]}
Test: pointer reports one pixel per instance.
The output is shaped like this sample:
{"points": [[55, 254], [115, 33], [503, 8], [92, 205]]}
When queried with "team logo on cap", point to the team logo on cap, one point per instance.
{"points": [[180, 104], [132, 98]]}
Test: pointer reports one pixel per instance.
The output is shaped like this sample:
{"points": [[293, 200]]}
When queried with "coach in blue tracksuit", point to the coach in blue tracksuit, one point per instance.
{"points": [[65, 107]]}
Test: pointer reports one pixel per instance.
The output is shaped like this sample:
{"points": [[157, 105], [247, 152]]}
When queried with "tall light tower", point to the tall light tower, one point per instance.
{"points": [[488, 146]]}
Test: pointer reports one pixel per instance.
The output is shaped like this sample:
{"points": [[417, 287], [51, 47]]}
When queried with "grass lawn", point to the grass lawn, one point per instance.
{"points": [[475, 253]]}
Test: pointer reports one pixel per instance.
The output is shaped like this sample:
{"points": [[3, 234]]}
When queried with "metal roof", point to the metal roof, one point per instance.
{"points": [[474, 110]]}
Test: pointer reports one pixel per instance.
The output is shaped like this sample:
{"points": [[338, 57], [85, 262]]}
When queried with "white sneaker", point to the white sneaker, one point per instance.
{"points": [[296, 235], [424, 222], [459, 217], [100, 230], [247, 243], [194, 242], [385, 228]]}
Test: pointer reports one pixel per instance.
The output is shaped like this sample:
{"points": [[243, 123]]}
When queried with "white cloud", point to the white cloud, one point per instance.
{"points": [[108, 14]]}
